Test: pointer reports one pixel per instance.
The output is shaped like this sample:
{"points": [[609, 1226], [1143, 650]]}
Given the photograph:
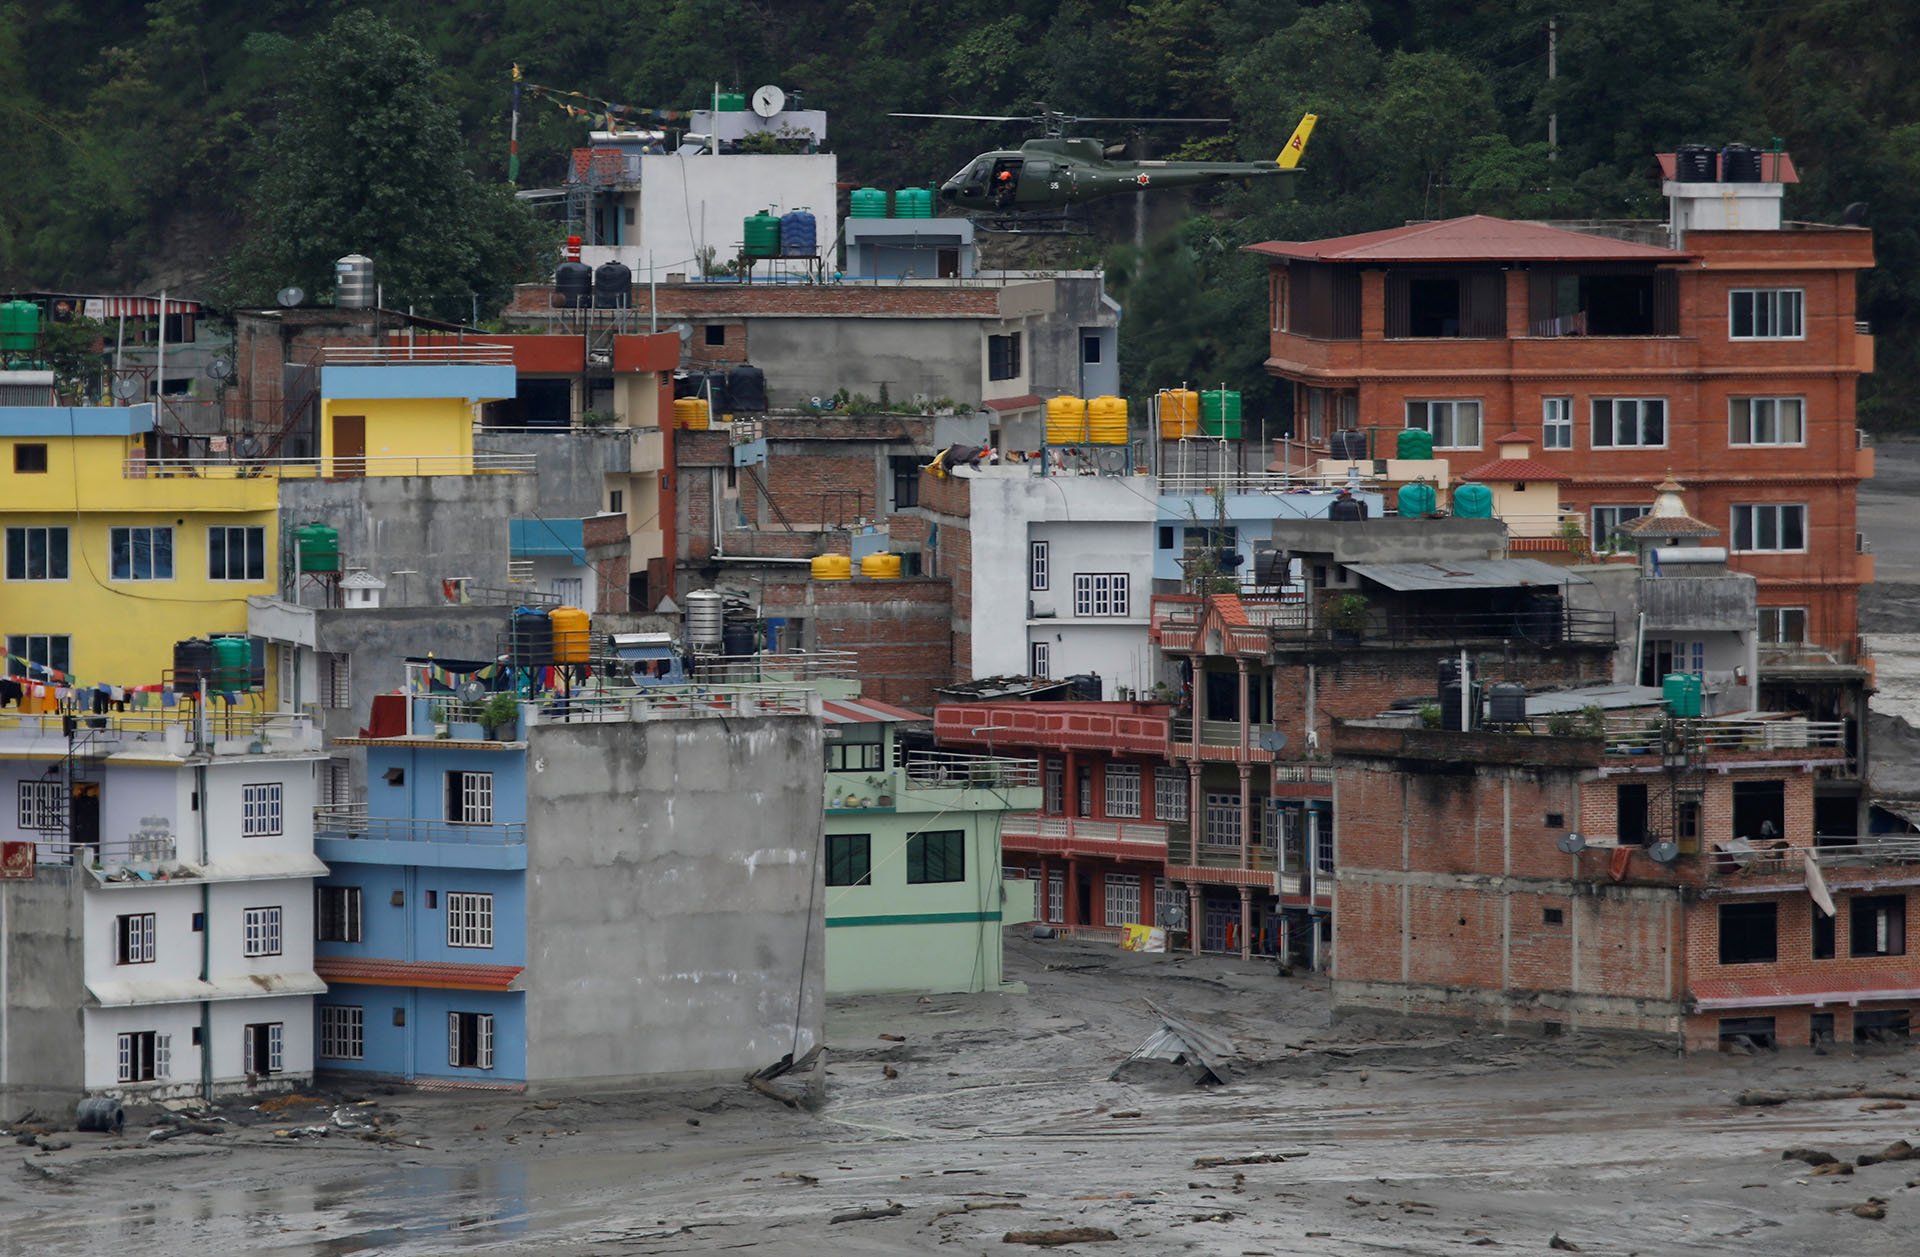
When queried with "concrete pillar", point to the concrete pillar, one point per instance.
{"points": [[1246, 923], [1071, 893], [1195, 922], [1247, 819], [1040, 900], [1070, 786]]}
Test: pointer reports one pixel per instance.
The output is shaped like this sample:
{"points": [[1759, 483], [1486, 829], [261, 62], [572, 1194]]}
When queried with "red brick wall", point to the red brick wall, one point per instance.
{"points": [[899, 630]]}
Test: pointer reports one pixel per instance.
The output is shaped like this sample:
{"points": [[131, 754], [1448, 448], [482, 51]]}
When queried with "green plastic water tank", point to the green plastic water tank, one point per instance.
{"points": [[1416, 499], [913, 203], [732, 102], [1220, 413], [1472, 501], [763, 236], [1414, 444], [867, 203], [232, 664], [19, 327], [318, 547], [1681, 690]]}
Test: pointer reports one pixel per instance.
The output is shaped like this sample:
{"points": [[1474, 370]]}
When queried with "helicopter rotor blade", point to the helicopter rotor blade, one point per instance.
{"points": [[1221, 121], [968, 117]]}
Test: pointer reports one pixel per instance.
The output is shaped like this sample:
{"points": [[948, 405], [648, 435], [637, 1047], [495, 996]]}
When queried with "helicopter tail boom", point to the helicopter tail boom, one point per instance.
{"points": [[1296, 144]]}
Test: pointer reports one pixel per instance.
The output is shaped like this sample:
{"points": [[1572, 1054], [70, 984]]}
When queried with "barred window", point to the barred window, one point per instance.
{"points": [[42, 805]]}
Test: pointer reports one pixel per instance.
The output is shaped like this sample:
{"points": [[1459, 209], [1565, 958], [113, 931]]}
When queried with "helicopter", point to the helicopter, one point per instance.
{"points": [[1060, 171]]}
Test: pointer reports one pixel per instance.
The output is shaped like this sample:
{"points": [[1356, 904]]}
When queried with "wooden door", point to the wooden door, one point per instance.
{"points": [[349, 446]]}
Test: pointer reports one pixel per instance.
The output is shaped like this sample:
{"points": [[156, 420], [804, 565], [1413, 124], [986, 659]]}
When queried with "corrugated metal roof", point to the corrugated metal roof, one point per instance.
{"points": [[866, 711], [547, 538], [437, 974], [1475, 238], [1466, 574]]}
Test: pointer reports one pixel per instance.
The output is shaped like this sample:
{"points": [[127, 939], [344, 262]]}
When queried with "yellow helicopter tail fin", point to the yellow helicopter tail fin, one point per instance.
{"points": [[1296, 143]]}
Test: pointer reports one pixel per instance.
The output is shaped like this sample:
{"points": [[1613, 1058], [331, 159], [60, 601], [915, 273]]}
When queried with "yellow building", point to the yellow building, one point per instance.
{"points": [[106, 566], [402, 411], [1526, 491]]}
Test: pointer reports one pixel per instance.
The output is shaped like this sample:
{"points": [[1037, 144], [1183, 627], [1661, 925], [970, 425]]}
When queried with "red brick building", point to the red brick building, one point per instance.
{"points": [[1691, 906], [1727, 358]]}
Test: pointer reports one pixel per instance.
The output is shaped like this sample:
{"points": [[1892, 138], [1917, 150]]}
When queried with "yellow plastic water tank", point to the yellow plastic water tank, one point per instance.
{"points": [[832, 567], [1179, 413], [572, 634], [690, 412], [1066, 420], [1107, 420], [880, 567]]}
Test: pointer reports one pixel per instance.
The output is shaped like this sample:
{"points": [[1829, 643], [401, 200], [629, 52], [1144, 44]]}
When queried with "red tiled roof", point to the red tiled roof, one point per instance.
{"points": [[1026, 401], [1475, 238], [1518, 470], [1513, 438], [1774, 167], [1231, 612], [438, 974]]}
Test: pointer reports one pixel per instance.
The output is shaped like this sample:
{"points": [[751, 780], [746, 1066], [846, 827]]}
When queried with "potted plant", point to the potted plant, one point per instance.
{"points": [[1346, 615], [437, 716], [501, 716]]}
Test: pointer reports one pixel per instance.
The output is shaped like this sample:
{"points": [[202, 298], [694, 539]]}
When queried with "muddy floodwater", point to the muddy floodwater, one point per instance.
{"points": [[996, 1114]]}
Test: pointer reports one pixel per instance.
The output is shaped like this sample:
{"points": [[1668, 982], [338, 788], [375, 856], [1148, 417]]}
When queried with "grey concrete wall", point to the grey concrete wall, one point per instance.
{"points": [[1694, 604], [1393, 540], [379, 641], [41, 989], [435, 526], [1613, 587], [806, 358], [570, 465], [674, 906], [1080, 301]]}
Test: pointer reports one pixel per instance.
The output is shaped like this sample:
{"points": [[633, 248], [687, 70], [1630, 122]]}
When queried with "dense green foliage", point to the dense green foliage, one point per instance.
{"points": [[142, 139]]}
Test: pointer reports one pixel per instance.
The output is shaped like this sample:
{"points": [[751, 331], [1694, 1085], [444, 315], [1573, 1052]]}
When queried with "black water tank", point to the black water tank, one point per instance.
{"points": [[1740, 163], [1347, 443], [747, 387], [687, 384], [713, 387], [530, 638], [1085, 687], [572, 285], [1695, 163], [1346, 507], [1451, 691], [737, 638], [192, 664], [1507, 703], [612, 286]]}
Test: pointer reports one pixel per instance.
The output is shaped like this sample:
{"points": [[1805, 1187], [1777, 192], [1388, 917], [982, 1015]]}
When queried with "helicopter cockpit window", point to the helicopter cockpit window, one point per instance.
{"points": [[976, 174]]}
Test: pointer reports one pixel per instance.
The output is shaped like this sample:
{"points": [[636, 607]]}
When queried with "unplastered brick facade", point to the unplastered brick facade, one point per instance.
{"points": [[1454, 900]]}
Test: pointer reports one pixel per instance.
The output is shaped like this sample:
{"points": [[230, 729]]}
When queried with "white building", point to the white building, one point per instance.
{"points": [[170, 904]]}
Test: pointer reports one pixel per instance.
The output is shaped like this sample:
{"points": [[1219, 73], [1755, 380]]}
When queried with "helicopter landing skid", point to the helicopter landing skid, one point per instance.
{"points": [[1031, 225]]}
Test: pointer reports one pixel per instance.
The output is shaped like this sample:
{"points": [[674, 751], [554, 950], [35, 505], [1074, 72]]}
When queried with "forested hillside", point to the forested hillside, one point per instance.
{"points": [[143, 142]]}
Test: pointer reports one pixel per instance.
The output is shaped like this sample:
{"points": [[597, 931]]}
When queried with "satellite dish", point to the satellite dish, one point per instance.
{"points": [[1572, 844], [1273, 740], [126, 388], [473, 693], [220, 369], [769, 100], [1664, 852], [684, 331], [291, 296]]}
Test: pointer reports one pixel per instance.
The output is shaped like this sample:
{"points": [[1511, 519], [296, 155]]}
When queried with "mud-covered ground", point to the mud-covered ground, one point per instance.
{"points": [[999, 1116]]}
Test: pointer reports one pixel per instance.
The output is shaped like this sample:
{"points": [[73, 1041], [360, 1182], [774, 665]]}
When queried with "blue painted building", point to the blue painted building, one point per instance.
{"points": [[421, 922]]}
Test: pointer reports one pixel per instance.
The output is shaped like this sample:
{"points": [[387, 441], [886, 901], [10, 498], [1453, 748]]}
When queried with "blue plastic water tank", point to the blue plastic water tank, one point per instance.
{"points": [[799, 234]]}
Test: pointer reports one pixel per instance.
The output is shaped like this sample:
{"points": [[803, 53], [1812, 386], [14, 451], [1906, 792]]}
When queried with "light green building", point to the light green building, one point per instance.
{"points": [[915, 900]]}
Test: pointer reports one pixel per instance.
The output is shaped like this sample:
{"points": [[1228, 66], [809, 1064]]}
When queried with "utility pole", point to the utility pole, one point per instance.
{"points": [[1553, 72]]}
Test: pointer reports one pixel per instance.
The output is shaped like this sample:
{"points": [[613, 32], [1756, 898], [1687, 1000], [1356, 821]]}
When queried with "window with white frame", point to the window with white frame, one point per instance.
{"points": [[1169, 794], [336, 914], [1040, 659], [343, 1032], [1556, 423], [1783, 626], [1222, 820], [145, 1056], [1123, 790], [1101, 594], [1769, 527], [263, 932], [1053, 799], [37, 553], [1606, 524], [1122, 892], [133, 939], [470, 1040], [1629, 422], [1056, 895], [263, 1047], [1169, 906], [1455, 425], [236, 553], [1037, 552], [41, 651], [1766, 421], [1321, 826], [140, 553], [469, 919], [1766, 314], [42, 805], [470, 798], [260, 815]]}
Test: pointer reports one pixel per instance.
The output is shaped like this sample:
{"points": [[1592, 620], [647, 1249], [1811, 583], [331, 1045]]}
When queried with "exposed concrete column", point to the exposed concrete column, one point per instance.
{"points": [[1194, 919], [1246, 726], [1246, 814], [1246, 923], [1070, 908]]}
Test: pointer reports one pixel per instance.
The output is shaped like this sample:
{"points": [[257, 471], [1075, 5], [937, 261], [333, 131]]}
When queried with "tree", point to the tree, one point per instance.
{"points": [[367, 158]]}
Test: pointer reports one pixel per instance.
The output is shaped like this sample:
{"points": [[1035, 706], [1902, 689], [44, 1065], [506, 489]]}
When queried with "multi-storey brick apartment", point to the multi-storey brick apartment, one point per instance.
{"points": [[1720, 348]]}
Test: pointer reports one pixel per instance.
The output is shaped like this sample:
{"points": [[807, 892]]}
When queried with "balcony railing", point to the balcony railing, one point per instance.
{"points": [[1831, 854], [950, 770], [237, 468], [1149, 834], [1805, 655], [353, 822], [123, 860], [1303, 774], [264, 731], [1216, 733], [1643, 735], [1545, 626], [1235, 481], [816, 665], [433, 353]]}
